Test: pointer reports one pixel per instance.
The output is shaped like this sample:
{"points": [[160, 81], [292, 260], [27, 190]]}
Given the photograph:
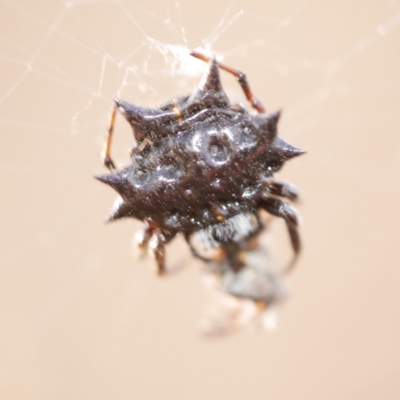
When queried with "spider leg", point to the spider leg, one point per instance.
{"points": [[106, 154], [143, 237], [194, 251], [241, 77], [282, 209], [283, 189], [157, 247], [156, 239]]}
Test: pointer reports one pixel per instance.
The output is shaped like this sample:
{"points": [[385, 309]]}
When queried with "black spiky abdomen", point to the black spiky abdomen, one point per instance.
{"points": [[199, 160], [197, 176]]}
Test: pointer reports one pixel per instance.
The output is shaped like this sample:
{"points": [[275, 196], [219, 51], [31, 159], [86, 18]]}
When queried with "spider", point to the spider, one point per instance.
{"points": [[204, 167]]}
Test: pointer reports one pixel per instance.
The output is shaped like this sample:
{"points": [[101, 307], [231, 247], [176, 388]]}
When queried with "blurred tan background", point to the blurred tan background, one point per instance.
{"points": [[81, 318]]}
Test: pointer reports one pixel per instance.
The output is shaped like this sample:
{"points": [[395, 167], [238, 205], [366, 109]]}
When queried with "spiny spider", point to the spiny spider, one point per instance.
{"points": [[204, 167]]}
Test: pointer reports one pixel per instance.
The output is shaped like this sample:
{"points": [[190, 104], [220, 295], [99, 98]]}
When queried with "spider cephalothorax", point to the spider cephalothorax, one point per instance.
{"points": [[200, 163]]}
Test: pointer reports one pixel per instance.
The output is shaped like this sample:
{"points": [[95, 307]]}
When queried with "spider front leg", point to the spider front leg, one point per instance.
{"points": [[143, 237], [157, 247], [241, 77], [150, 237], [155, 239], [283, 189], [108, 162], [283, 210]]}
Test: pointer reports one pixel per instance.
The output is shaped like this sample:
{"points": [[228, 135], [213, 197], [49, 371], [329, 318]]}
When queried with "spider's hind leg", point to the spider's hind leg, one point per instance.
{"points": [[194, 252], [282, 209], [283, 189]]}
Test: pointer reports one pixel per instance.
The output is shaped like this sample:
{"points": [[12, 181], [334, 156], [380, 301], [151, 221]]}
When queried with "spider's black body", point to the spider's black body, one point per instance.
{"points": [[199, 162]]}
